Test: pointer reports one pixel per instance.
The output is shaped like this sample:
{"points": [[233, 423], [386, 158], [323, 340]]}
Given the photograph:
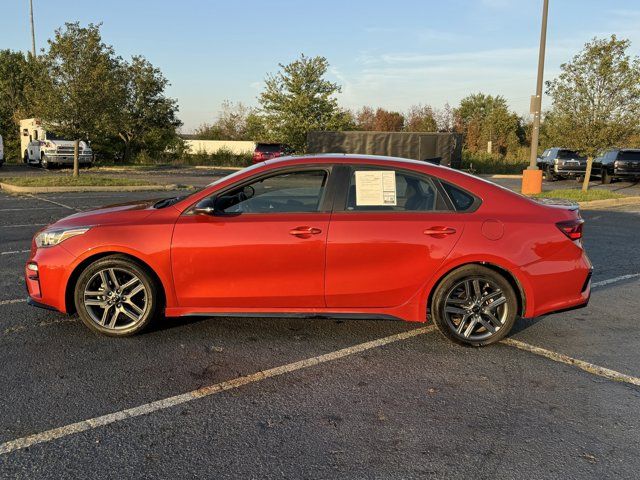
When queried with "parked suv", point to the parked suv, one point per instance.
{"points": [[265, 151], [557, 163], [618, 163]]}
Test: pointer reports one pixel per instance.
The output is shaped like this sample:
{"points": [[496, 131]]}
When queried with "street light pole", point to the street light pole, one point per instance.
{"points": [[33, 32], [532, 176]]}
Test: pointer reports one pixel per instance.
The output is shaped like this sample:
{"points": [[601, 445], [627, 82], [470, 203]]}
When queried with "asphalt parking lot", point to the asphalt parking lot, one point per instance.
{"points": [[411, 405]]}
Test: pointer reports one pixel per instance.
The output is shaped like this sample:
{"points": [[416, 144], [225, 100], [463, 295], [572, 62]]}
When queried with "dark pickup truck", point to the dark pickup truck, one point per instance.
{"points": [[559, 163], [618, 163]]}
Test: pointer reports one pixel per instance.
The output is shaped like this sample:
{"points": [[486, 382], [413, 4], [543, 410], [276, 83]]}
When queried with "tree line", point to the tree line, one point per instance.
{"points": [[595, 104], [84, 90]]}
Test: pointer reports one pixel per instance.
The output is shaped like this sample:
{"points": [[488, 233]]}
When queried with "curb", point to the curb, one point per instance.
{"points": [[611, 202], [132, 188], [504, 175]]}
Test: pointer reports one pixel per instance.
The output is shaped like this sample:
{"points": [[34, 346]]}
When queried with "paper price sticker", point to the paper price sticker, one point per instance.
{"points": [[376, 188]]}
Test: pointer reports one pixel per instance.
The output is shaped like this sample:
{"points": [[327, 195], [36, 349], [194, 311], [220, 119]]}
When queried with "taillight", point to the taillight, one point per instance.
{"points": [[571, 228]]}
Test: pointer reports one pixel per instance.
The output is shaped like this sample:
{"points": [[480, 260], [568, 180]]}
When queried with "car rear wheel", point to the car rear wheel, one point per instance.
{"points": [[605, 177], [475, 306], [116, 296]]}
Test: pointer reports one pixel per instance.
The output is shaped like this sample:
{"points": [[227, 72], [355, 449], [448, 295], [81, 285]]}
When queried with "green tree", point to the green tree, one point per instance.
{"points": [[147, 119], [421, 118], [15, 76], [483, 118], [596, 99], [79, 91], [299, 99]]}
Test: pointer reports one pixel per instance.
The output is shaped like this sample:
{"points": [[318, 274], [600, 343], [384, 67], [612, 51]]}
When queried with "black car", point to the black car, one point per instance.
{"points": [[618, 163], [558, 163]]}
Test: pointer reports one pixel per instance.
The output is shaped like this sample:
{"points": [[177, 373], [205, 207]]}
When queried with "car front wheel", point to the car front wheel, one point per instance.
{"points": [[475, 306], [116, 296]]}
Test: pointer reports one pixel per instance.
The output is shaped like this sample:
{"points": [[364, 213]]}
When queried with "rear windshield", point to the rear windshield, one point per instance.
{"points": [[269, 148], [635, 155], [568, 154]]}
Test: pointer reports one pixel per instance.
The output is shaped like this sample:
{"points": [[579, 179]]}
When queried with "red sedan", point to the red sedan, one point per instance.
{"points": [[329, 236]]}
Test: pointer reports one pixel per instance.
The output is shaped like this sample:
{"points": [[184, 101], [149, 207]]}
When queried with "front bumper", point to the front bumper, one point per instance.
{"points": [[64, 159], [46, 287]]}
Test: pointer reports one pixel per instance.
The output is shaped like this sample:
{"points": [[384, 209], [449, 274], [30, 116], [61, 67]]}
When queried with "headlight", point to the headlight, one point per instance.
{"points": [[49, 238]]}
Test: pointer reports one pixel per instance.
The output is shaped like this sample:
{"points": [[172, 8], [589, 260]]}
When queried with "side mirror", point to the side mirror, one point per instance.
{"points": [[205, 207]]}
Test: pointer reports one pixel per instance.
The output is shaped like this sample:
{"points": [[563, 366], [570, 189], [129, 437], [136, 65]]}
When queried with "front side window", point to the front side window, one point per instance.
{"points": [[288, 192], [373, 189]]}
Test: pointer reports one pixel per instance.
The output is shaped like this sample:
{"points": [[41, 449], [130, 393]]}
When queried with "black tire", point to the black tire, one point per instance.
{"points": [[44, 163], [605, 176], [25, 157], [451, 303], [147, 300]]}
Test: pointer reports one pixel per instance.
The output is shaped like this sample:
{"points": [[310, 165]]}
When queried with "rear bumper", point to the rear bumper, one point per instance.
{"points": [[570, 171], [560, 283], [626, 172]]}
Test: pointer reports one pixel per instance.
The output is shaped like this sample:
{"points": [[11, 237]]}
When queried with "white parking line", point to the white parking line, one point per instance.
{"points": [[13, 252], [602, 283], [22, 209], [25, 225], [581, 364], [15, 300], [55, 203], [91, 423]]}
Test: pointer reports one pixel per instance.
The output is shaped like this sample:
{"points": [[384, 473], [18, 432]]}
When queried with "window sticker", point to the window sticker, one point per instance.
{"points": [[375, 187]]}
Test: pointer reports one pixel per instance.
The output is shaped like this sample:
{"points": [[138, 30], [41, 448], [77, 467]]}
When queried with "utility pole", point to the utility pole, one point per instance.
{"points": [[33, 32], [532, 176]]}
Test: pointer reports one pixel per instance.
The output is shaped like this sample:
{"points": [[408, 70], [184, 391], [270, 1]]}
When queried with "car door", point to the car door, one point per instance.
{"points": [[262, 245], [381, 255]]}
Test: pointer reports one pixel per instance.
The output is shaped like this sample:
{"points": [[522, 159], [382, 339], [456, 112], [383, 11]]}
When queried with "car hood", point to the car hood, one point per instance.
{"points": [[131, 212]]}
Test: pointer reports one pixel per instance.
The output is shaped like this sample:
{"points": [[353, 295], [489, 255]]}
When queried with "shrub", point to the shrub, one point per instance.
{"points": [[481, 162]]}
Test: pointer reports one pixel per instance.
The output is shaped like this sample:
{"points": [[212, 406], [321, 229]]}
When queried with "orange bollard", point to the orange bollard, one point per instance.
{"points": [[531, 181]]}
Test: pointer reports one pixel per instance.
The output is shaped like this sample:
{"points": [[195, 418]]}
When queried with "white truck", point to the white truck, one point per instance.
{"points": [[46, 149]]}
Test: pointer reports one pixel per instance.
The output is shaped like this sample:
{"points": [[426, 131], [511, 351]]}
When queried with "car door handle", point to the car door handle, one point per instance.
{"points": [[439, 232], [304, 232]]}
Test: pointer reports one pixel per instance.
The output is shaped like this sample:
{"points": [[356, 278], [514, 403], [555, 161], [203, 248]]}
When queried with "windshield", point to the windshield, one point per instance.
{"points": [[53, 136], [236, 174]]}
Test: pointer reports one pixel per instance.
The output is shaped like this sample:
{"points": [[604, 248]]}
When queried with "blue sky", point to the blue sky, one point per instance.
{"points": [[384, 53]]}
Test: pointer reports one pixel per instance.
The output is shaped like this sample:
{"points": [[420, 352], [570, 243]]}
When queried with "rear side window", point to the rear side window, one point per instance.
{"points": [[398, 191], [461, 200]]}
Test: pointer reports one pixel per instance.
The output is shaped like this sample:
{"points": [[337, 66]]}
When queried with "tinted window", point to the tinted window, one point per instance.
{"points": [[629, 155], [283, 193], [568, 154], [413, 193], [268, 148], [461, 200]]}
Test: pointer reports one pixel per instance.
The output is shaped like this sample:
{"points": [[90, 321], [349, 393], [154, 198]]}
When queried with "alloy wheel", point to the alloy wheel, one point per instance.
{"points": [[116, 298], [476, 309]]}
